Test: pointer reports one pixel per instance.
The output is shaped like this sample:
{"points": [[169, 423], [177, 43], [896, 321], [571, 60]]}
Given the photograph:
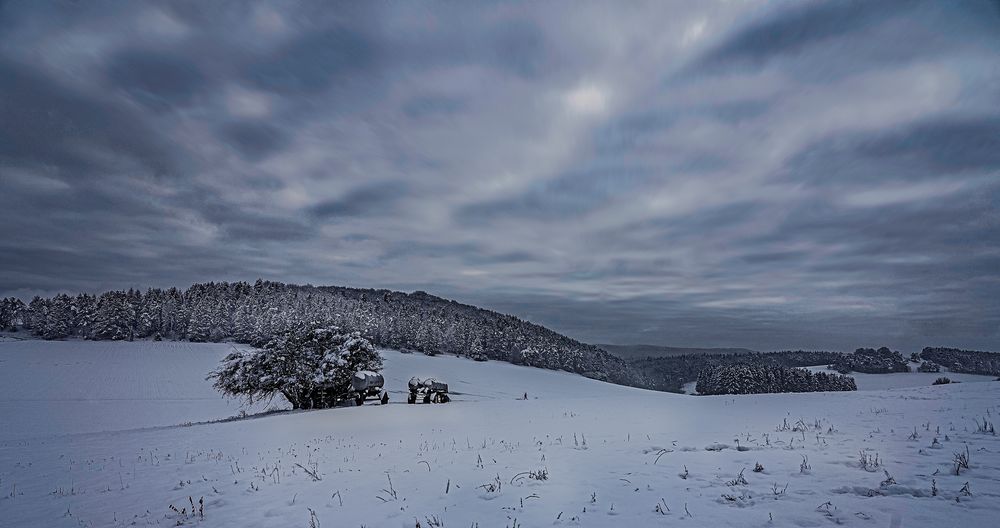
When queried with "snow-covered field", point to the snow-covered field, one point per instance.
{"points": [[612, 456], [53, 387]]}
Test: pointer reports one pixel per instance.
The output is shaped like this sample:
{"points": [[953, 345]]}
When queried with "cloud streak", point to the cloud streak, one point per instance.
{"points": [[798, 174]]}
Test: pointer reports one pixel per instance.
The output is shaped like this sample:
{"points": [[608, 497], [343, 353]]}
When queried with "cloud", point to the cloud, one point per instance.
{"points": [[794, 29], [155, 79], [311, 62], [947, 144], [748, 302], [889, 194], [366, 200], [427, 106], [245, 103], [54, 125], [253, 139], [797, 174], [587, 99], [569, 195]]}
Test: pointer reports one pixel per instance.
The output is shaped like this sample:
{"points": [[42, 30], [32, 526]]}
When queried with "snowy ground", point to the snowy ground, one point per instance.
{"points": [[613, 455], [58, 387]]}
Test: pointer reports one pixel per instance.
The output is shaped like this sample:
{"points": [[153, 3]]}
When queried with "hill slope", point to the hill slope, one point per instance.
{"points": [[255, 313], [602, 454]]}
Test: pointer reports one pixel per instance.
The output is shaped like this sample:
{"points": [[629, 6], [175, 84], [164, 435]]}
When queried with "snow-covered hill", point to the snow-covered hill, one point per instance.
{"points": [[610, 455]]}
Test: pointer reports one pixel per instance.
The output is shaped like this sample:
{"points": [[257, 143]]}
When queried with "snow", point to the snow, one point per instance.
{"points": [[611, 453], [90, 386]]}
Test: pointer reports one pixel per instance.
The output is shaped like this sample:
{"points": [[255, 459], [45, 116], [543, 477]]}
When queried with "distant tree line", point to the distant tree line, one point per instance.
{"points": [[965, 361], [871, 361], [760, 379], [670, 373], [256, 313]]}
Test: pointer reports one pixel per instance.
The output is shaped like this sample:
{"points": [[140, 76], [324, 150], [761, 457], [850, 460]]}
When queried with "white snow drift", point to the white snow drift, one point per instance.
{"points": [[577, 453]]}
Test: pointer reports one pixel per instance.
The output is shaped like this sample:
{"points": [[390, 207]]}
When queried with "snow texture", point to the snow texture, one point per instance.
{"points": [[577, 452]]}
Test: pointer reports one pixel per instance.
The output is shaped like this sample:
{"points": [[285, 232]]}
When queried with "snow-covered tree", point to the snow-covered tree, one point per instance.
{"points": [[929, 366], [303, 366], [476, 351], [85, 310], [115, 316], [871, 361], [37, 315], [199, 328], [60, 318], [12, 312]]}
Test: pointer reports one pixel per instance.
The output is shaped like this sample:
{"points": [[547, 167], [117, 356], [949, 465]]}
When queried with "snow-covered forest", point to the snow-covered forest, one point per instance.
{"points": [[671, 372], [255, 313], [763, 379], [967, 361], [871, 361]]}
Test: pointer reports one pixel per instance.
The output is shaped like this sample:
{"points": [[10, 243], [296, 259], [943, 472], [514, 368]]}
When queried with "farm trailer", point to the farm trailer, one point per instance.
{"points": [[428, 390]]}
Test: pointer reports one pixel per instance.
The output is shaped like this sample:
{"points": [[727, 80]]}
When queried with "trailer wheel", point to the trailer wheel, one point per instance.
{"points": [[445, 398], [437, 398], [412, 398], [427, 398], [359, 401]]}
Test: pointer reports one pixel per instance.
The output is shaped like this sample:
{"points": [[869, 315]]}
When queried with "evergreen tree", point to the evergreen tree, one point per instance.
{"points": [[11, 312], [85, 308], [59, 319], [37, 315], [114, 317], [304, 366]]}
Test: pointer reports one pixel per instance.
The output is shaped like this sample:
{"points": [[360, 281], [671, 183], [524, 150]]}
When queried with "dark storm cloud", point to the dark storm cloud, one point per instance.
{"points": [[366, 200], [253, 139], [799, 174], [238, 224], [514, 45], [468, 253], [432, 105], [825, 39], [947, 144], [310, 63], [155, 79], [933, 148], [518, 46], [568, 195], [792, 30], [49, 124]]}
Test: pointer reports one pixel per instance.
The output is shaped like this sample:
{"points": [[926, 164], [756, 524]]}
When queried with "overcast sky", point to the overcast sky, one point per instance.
{"points": [[732, 173]]}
